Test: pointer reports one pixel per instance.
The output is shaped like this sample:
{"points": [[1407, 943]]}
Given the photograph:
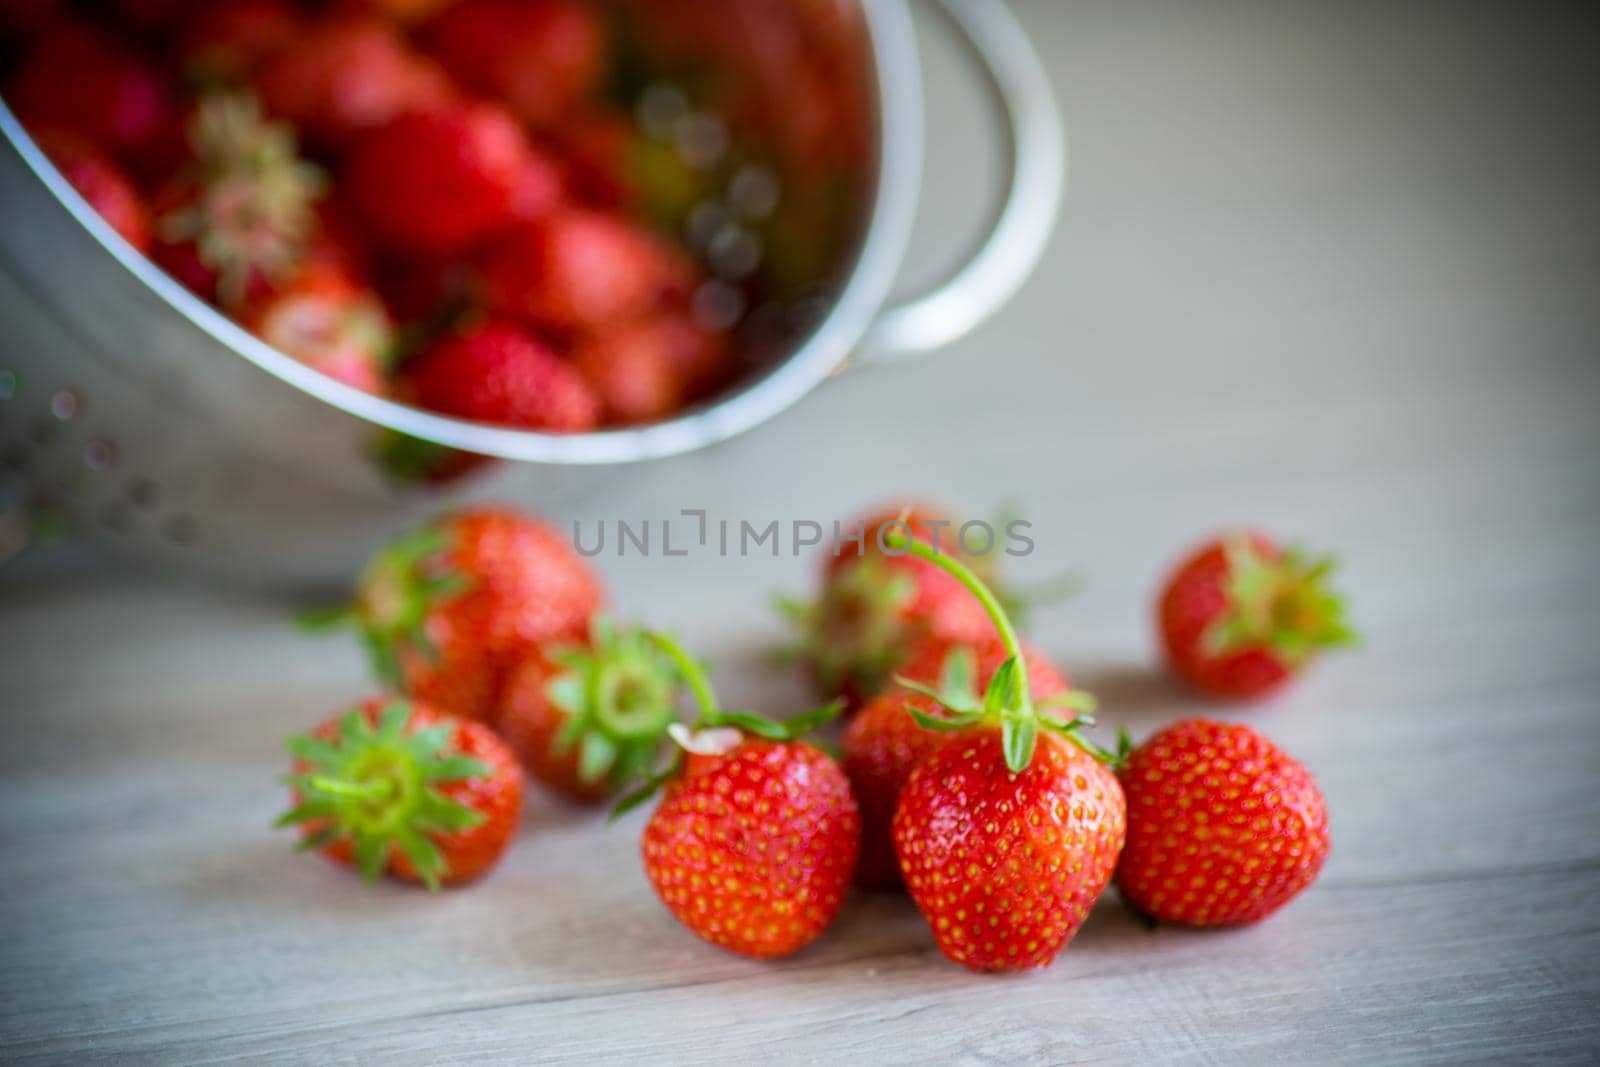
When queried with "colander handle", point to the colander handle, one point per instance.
{"points": [[1036, 150]]}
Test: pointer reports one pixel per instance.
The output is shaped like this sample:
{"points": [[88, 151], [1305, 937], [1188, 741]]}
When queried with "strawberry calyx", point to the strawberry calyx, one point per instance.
{"points": [[853, 635], [1007, 701], [1283, 604], [716, 731], [376, 786], [396, 593], [618, 694], [252, 214], [400, 588]]}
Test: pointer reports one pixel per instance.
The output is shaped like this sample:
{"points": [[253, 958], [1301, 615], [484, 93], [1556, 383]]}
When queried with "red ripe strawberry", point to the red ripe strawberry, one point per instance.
{"points": [[242, 217], [23, 18], [538, 191], [541, 57], [75, 78], [427, 289], [650, 368], [1241, 616], [495, 372], [326, 320], [1224, 827], [441, 180], [405, 11], [100, 182], [613, 166], [448, 609], [883, 743], [632, 369], [587, 718], [577, 270], [347, 76], [227, 42], [147, 16], [398, 787], [874, 605], [703, 359], [596, 149], [1008, 832], [756, 835], [1005, 865]]}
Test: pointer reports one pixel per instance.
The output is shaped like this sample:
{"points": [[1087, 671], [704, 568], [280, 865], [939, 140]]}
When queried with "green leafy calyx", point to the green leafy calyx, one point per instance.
{"points": [[1283, 604], [376, 786], [398, 591], [1007, 701], [713, 723], [855, 633], [618, 694]]}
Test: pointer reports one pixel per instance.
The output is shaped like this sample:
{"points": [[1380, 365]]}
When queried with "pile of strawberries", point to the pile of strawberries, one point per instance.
{"points": [[450, 202], [967, 773]]}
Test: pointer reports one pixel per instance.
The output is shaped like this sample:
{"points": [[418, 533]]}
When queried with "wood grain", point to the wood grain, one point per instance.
{"points": [[1330, 268]]}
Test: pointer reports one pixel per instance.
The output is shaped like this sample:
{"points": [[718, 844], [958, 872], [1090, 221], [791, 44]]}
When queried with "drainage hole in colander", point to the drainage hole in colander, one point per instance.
{"points": [[65, 404], [99, 454]]}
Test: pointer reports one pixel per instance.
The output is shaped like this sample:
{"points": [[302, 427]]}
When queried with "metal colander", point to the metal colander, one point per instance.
{"points": [[157, 424]]}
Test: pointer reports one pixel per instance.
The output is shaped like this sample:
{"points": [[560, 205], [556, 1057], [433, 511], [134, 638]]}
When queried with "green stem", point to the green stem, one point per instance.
{"points": [[699, 685], [376, 789], [974, 585]]}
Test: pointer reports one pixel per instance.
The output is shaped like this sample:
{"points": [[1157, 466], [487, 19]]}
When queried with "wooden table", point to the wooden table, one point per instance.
{"points": [[1331, 269]]}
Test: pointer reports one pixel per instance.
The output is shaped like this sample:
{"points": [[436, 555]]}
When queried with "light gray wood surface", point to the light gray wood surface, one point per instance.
{"points": [[1329, 268]]}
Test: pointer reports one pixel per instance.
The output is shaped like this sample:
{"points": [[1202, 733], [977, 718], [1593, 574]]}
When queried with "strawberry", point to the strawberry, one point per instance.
{"points": [[1241, 616], [614, 166], [411, 460], [404, 11], [538, 189], [23, 18], [346, 76], [147, 16], [650, 368], [326, 320], [541, 57], [399, 787], [495, 372], [588, 717], [632, 369], [226, 43], [441, 180], [447, 610], [703, 360], [577, 270], [243, 216], [100, 182], [874, 605], [1224, 827], [756, 835], [883, 742], [1009, 831], [76, 78]]}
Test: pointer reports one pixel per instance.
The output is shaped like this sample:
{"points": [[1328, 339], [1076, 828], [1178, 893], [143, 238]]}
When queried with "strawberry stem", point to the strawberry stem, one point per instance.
{"points": [[693, 675], [991, 604], [1008, 701]]}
